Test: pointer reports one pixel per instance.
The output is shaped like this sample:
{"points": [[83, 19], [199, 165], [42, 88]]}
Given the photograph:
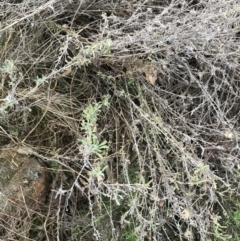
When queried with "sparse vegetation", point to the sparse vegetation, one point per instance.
{"points": [[133, 106]]}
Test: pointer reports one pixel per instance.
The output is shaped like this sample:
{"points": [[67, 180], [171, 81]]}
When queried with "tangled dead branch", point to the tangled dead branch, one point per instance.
{"points": [[133, 107]]}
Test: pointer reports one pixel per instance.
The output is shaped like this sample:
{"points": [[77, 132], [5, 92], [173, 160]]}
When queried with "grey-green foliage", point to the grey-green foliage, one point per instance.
{"points": [[90, 140]]}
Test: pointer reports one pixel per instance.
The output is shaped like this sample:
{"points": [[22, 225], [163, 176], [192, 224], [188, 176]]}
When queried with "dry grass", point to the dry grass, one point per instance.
{"points": [[130, 160]]}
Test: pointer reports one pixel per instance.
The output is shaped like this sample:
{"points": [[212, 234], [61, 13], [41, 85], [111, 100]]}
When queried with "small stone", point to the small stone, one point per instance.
{"points": [[229, 134]]}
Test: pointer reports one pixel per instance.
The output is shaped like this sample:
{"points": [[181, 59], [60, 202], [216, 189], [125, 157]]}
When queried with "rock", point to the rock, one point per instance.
{"points": [[23, 182]]}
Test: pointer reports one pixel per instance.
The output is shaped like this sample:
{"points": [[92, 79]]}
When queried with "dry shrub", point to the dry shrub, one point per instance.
{"points": [[130, 160]]}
